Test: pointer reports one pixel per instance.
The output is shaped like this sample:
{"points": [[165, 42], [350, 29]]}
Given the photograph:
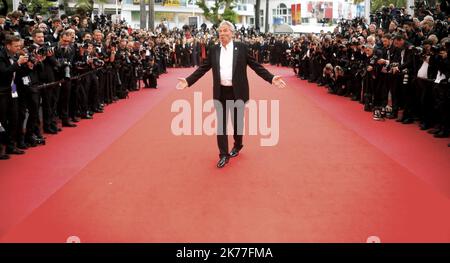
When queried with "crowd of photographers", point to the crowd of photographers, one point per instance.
{"points": [[58, 70], [397, 66]]}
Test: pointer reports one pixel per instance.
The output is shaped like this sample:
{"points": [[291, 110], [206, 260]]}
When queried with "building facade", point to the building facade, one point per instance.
{"points": [[177, 13]]}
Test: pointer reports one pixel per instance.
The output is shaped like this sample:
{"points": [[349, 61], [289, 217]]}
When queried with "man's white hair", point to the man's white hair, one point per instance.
{"points": [[227, 23]]}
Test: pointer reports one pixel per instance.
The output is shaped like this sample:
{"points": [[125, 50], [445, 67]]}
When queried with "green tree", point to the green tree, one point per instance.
{"points": [[212, 13], [86, 6], [37, 6], [376, 5]]}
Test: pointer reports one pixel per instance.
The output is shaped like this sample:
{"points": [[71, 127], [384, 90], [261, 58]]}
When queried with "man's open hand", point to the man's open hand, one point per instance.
{"points": [[277, 81], [182, 83]]}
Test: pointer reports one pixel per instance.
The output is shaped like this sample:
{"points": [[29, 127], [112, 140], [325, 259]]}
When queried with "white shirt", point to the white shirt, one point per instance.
{"points": [[423, 71], [226, 64]]}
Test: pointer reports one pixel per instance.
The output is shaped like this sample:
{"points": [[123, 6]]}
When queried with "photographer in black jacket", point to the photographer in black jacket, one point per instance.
{"points": [[10, 63], [64, 54]]}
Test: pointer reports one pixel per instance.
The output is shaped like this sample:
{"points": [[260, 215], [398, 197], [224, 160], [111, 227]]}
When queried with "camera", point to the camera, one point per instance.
{"points": [[65, 65], [44, 49], [98, 62], [29, 51], [435, 49]]}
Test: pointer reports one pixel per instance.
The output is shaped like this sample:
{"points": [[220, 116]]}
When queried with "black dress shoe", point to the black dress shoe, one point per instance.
{"points": [[50, 131], [4, 157], [32, 141], [14, 151], [234, 152], [87, 117], [69, 124], [222, 161], [424, 127], [442, 134], [22, 145], [407, 121], [434, 131], [75, 119]]}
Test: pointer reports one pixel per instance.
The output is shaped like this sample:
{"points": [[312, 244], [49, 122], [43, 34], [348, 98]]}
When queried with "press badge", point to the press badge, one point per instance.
{"points": [[14, 91], [26, 80]]}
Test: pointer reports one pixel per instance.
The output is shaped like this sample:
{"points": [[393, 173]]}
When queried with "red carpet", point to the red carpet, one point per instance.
{"points": [[335, 176]]}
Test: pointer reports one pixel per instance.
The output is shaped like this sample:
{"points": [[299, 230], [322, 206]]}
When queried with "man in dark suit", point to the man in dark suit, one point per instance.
{"points": [[10, 63], [229, 61]]}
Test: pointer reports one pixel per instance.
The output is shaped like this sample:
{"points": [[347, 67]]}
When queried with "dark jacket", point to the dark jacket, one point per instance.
{"points": [[241, 59], [6, 71]]}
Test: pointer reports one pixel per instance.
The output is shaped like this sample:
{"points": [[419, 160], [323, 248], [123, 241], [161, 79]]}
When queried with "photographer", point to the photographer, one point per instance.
{"points": [[402, 61], [64, 54], [10, 63], [46, 75], [441, 91], [425, 76], [356, 67], [86, 62], [39, 70], [149, 70], [55, 31], [122, 63], [370, 77], [111, 75], [386, 81], [100, 49]]}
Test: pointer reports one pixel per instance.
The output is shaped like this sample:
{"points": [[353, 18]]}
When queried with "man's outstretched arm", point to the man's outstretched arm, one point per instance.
{"points": [[264, 73], [197, 74]]}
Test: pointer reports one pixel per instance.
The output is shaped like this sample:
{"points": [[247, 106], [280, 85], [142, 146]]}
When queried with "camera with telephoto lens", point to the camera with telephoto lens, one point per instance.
{"points": [[65, 65]]}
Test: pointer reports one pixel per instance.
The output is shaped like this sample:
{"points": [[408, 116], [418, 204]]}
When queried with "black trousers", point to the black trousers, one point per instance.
{"points": [[49, 105], [29, 101], [410, 103], [64, 100], [427, 109], [442, 104], [9, 116], [237, 107]]}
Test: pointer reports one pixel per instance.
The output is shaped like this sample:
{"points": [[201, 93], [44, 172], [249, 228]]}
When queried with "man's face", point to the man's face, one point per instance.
{"points": [[225, 34], [56, 24], [123, 44], [369, 51], [407, 28], [399, 43], [2, 20], [98, 36], [392, 26], [87, 37], [65, 40], [43, 27], [39, 38], [386, 42], [14, 47]]}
